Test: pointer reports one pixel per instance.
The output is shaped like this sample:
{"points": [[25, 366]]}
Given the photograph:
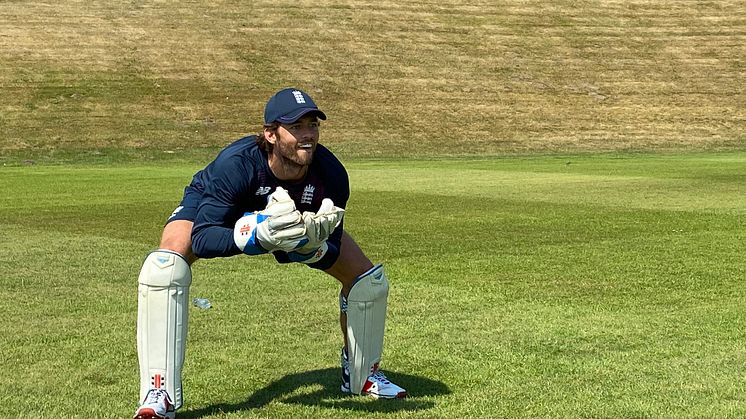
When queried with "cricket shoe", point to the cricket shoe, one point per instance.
{"points": [[377, 385], [157, 405]]}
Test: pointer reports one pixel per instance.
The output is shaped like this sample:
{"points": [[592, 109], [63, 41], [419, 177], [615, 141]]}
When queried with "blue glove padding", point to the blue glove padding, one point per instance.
{"points": [[247, 227], [310, 257]]}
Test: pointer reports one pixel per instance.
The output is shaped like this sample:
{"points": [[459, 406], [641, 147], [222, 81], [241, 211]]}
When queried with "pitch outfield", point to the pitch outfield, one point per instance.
{"points": [[597, 286]]}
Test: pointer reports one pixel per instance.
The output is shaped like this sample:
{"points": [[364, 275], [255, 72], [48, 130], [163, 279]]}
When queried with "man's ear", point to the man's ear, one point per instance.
{"points": [[270, 133]]}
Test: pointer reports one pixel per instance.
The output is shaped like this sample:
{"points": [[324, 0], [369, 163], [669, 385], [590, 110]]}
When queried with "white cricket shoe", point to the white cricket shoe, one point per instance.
{"points": [[377, 385], [157, 405]]}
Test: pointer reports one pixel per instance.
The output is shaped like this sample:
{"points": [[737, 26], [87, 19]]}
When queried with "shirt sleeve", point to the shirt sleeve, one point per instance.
{"points": [[212, 234]]}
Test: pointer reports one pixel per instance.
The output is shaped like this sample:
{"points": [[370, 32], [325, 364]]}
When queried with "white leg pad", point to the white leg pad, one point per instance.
{"points": [[162, 309], [366, 317]]}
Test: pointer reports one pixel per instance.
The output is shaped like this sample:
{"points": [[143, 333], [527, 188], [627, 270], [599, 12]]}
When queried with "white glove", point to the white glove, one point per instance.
{"points": [[319, 226], [277, 227]]}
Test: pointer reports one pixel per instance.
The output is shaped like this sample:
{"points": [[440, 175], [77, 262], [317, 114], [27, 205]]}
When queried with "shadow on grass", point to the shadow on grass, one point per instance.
{"points": [[320, 388]]}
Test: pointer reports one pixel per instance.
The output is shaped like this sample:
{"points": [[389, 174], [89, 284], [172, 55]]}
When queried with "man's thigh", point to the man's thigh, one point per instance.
{"points": [[177, 237], [351, 262]]}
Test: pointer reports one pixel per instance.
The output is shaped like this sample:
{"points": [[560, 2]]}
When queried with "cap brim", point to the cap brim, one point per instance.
{"points": [[300, 113]]}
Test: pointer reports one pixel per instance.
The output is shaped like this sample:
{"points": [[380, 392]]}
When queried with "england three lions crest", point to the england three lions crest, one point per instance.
{"points": [[307, 197]]}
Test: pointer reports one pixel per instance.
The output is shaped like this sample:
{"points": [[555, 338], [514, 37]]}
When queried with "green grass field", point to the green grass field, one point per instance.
{"points": [[596, 286], [557, 190]]}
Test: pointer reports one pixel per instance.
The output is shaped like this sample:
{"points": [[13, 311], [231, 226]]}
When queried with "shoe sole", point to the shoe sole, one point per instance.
{"points": [[400, 395], [149, 414]]}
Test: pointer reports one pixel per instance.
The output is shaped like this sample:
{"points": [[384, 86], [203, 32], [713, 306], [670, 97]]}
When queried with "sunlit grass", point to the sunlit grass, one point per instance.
{"points": [[520, 288]]}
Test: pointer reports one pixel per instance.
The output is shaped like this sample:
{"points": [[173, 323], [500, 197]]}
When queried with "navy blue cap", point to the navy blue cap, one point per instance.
{"points": [[289, 105]]}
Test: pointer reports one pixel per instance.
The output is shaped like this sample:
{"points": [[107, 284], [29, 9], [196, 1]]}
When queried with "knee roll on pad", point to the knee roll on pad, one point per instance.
{"points": [[162, 309], [366, 316]]}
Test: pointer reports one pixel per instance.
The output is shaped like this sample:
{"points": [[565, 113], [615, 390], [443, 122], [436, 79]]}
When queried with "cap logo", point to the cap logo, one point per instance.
{"points": [[299, 97]]}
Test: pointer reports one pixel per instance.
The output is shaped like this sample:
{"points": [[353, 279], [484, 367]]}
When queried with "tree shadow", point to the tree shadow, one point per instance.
{"points": [[321, 388]]}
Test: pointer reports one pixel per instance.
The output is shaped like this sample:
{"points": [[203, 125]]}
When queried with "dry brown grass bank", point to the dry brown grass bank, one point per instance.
{"points": [[429, 77]]}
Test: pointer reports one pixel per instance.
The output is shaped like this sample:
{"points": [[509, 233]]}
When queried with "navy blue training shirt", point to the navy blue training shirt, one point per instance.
{"points": [[239, 180]]}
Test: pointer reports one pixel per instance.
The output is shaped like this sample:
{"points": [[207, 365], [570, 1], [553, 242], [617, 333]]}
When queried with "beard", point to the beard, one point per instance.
{"points": [[290, 155]]}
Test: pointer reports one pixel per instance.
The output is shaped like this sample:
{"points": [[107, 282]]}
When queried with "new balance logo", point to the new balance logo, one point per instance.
{"points": [[299, 97], [307, 196], [263, 190], [176, 211]]}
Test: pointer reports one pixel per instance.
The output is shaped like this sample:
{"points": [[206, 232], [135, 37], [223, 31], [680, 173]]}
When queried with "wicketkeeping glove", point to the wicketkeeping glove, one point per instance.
{"points": [[277, 227], [319, 226]]}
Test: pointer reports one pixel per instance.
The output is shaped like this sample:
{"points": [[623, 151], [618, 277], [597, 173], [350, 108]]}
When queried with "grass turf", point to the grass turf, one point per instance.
{"points": [[581, 286]]}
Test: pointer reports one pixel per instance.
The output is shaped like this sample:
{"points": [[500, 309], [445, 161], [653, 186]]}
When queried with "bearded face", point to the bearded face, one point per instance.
{"points": [[293, 147]]}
